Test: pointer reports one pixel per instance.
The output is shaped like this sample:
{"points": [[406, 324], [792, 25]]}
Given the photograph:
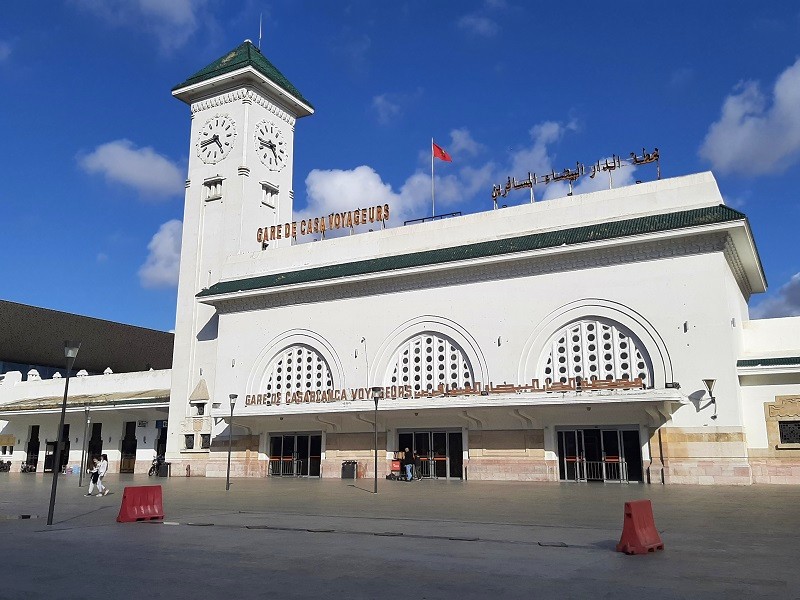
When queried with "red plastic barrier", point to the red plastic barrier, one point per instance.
{"points": [[639, 533], [141, 503]]}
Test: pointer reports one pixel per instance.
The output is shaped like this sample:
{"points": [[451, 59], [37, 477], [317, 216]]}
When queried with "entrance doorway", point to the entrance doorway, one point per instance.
{"points": [[161, 442], [32, 450], [95, 446], [50, 451], [441, 453], [609, 455], [128, 458], [295, 455]]}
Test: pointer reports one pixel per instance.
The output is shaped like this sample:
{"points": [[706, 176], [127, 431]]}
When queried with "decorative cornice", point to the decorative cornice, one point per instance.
{"points": [[412, 279], [786, 407], [244, 95], [735, 263]]}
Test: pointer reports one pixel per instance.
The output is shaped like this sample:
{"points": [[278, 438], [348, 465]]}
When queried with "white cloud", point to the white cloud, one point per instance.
{"points": [[102, 257], [457, 184], [536, 157], [143, 169], [786, 303], [340, 190], [172, 22], [461, 142], [354, 49], [385, 108], [621, 177], [389, 106], [680, 77], [5, 50], [754, 136], [478, 25], [163, 262]]}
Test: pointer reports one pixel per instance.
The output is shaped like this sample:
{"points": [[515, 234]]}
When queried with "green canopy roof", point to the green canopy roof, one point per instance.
{"points": [[246, 55], [535, 241]]}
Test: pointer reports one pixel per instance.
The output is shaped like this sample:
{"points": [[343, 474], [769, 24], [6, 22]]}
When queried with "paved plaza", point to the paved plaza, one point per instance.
{"points": [[306, 538]]}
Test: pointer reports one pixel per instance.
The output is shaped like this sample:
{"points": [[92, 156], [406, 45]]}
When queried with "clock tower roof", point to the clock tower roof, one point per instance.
{"points": [[245, 58]]}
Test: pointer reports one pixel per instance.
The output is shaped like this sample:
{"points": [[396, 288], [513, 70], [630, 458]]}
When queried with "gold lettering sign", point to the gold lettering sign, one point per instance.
{"points": [[352, 218], [405, 391]]}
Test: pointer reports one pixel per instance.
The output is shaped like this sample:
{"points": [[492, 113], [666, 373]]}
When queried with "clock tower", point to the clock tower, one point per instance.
{"points": [[241, 151]]}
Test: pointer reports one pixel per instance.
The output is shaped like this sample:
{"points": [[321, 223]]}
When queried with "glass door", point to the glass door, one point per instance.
{"points": [[422, 446], [439, 455], [315, 456], [571, 455], [613, 461], [455, 452], [295, 455], [632, 453], [287, 456], [607, 455], [301, 456]]}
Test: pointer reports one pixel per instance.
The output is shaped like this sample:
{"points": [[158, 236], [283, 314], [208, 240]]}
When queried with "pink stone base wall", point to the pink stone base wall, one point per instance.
{"points": [[332, 468], [195, 467], [776, 470], [717, 471], [510, 469]]}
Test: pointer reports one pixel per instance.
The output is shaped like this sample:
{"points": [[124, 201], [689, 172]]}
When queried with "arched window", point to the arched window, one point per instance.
{"points": [[298, 368], [429, 360], [595, 349]]}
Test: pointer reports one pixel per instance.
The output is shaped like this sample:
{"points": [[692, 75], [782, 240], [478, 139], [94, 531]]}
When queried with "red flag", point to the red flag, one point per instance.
{"points": [[441, 153]]}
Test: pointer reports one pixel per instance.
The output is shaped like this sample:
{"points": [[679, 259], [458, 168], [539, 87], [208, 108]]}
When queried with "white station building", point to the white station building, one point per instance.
{"points": [[597, 337]]}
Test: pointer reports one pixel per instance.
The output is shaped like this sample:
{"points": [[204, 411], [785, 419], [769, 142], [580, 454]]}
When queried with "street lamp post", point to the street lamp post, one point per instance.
{"points": [[85, 444], [230, 441], [377, 394], [70, 352]]}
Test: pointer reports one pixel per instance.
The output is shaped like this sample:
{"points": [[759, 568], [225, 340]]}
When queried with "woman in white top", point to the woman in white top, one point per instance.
{"points": [[102, 469]]}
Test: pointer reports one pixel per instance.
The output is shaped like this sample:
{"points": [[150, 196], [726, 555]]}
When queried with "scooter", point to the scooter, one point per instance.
{"points": [[157, 462], [5, 466], [26, 468]]}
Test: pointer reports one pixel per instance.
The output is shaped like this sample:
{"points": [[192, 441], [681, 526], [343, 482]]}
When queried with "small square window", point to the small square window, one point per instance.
{"points": [[201, 409], [205, 441], [789, 432], [189, 441]]}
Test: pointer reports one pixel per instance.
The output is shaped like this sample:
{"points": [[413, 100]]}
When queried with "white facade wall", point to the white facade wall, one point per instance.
{"points": [[113, 400]]}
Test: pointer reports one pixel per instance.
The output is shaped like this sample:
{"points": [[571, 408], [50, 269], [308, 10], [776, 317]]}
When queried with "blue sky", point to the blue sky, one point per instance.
{"points": [[94, 148]]}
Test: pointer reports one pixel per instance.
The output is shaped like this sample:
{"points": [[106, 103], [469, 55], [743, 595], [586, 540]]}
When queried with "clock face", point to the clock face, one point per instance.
{"points": [[216, 139], [270, 145]]}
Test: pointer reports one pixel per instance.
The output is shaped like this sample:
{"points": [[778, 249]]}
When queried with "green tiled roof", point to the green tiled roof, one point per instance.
{"points": [[245, 55], [525, 243], [782, 361], [81, 401]]}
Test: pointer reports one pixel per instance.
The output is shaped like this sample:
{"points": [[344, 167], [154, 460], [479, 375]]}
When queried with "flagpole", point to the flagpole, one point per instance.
{"points": [[433, 194]]}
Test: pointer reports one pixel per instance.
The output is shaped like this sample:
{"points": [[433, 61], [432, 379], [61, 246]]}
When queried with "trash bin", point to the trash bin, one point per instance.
{"points": [[163, 469], [349, 469]]}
